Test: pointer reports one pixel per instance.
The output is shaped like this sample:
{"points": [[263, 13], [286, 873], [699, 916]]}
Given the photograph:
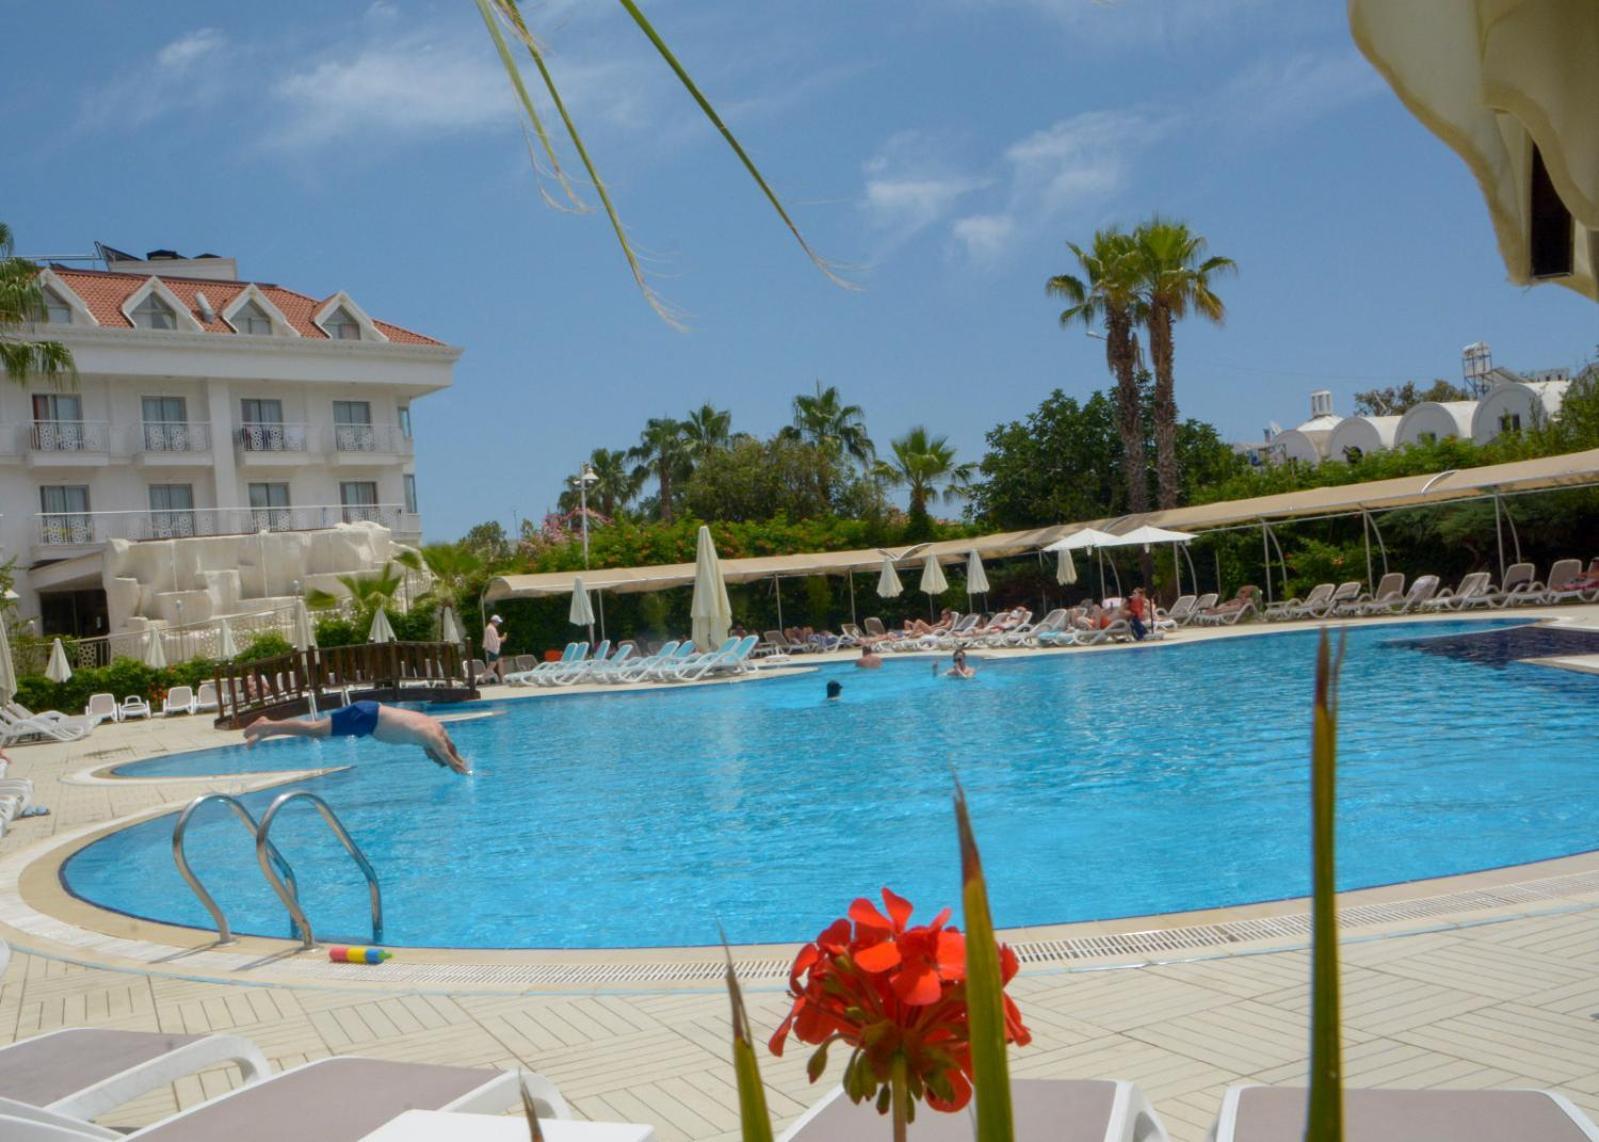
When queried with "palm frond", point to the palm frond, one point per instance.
{"points": [[487, 9]]}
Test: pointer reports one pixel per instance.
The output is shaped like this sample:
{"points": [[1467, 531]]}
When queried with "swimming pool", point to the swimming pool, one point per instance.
{"points": [[1152, 780]]}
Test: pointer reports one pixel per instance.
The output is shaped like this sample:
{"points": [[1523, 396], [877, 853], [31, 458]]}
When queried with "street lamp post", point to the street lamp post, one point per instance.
{"points": [[581, 481]]}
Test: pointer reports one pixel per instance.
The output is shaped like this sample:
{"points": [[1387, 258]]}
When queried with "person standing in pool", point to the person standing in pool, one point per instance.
{"points": [[388, 724], [959, 669], [835, 690]]}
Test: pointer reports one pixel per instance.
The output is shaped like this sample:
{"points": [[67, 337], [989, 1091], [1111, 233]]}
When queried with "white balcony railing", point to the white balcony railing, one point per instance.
{"points": [[368, 438], [69, 436], [78, 528], [273, 437], [167, 436]]}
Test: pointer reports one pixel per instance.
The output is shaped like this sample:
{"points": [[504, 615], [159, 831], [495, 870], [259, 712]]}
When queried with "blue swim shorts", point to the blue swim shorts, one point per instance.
{"points": [[356, 720]]}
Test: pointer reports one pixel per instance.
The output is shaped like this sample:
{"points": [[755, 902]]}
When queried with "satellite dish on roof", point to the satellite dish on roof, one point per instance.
{"points": [[1273, 430]]}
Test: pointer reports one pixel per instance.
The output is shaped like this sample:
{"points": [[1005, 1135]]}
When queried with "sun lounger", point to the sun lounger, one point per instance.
{"points": [[874, 628], [102, 708], [179, 700], [636, 667], [1520, 586], [578, 668], [1346, 593], [1060, 1110], [1390, 587], [1474, 590], [16, 798], [1291, 608], [1277, 1114], [1565, 582], [330, 1100], [1027, 634], [81, 1073], [205, 698], [601, 670], [1181, 611], [687, 652], [33, 727], [134, 706], [523, 677], [1420, 592], [729, 658], [1234, 609]]}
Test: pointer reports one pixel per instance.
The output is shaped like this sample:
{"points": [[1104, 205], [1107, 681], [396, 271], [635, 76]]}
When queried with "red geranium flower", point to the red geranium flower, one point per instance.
{"points": [[890, 990]]}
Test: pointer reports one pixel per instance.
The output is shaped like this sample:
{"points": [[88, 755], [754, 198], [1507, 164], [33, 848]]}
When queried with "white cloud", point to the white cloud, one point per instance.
{"points": [[1136, 24], [1284, 91], [984, 237], [188, 73], [910, 185], [182, 53]]}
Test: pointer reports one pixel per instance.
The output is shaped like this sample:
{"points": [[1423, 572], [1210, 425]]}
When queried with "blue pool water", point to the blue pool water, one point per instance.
{"points": [[1102, 785]]}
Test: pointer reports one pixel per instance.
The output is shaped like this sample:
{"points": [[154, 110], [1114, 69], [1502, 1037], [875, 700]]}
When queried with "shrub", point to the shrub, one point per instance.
{"points": [[267, 644]]}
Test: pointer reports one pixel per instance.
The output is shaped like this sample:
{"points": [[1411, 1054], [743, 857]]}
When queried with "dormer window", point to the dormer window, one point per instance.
{"points": [[153, 313], [251, 318], [341, 326], [56, 310]]}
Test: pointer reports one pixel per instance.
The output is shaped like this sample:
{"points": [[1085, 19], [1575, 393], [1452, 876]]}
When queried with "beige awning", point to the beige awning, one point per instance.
{"points": [[1570, 470], [1491, 78]]}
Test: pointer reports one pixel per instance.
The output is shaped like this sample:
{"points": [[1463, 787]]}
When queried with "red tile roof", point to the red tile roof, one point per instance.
{"points": [[105, 291]]}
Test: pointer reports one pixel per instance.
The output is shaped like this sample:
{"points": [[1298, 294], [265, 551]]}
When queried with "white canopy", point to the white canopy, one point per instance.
{"points": [[1146, 535], [581, 613], [933, 581], [976, 577], [710, 614], [1493, 79], [1085, 538], [888, 584], [226, 647], [59, 669], [382, 630], [155, 654]]}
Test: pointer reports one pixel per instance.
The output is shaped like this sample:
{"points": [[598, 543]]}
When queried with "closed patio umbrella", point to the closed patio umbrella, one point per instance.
{"points": [[933, 581], [449, 629], [1065, 569], [59, 670], [155, 654], [382, 630], [976, 577], [8, 671], [888, 584], [304, 637], [581, 613], [710, 614], [226, 647]]}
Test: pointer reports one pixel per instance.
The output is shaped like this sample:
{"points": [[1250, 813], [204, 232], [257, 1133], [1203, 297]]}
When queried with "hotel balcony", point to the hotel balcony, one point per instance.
{"points": [[169, 444], [272, 445], [373, 445], [66, 443], [61, 535]]}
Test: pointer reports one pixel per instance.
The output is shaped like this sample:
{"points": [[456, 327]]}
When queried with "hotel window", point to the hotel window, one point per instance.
{"points": [[166, 424], [270, 505], [341, 326], [405, 421], [251, 318], [153, 313], [352, 426], [64, 514], [58, 423], [261, 425], [359, 498], [410, 492], [171, 511], [56, 310]]}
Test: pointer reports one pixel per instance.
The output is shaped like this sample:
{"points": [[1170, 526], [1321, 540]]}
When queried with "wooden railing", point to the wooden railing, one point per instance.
{"points": [[322, 678]]}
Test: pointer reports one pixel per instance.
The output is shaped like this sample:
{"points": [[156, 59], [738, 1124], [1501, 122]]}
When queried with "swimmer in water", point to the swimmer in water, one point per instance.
{"points": [[960, 669], [388, 724], [835, 690]]}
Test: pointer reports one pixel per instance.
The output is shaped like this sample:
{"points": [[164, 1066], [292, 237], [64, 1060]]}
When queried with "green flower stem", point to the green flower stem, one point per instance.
{"points": [[900, 1097]]}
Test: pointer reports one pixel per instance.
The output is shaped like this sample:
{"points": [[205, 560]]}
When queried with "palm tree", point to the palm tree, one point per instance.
{"points": [[834, 429], [616, 484], [1176, 279], [452, 565], [707, 430], [367, 593], [22, 302], [926, 466], [661, 452], [1109, 292]]}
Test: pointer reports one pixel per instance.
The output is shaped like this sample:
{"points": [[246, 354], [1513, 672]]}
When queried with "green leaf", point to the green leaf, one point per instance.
{"points": [[1325, 1115], [817, 1063], [755, 1123], [985, 990]]}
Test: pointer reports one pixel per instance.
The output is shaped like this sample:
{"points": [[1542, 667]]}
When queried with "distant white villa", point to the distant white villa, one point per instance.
{"points": [[1508, 402], [228, 444]]}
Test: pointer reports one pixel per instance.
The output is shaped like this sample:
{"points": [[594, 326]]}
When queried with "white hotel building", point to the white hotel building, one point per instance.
{"points": [[219, 437]]}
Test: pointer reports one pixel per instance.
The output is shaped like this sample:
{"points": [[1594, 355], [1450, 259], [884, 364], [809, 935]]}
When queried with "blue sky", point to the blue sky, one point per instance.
{"points": [[945, 149]]}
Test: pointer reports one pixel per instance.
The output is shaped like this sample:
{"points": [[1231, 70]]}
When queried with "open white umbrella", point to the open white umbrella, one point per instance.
{"points": [[1083, 539], [155, 653], [888, 584], [58, 670], [449, 629], [8, 672], [710, 614], [976, 577], [226, 647], [304, 637], [581, 614], [1065, 569], [382, 630], [1146, 535]]}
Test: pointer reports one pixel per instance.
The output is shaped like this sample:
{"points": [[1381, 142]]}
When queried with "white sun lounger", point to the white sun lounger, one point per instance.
{"points": [[1474, 590], [1292, 608], [102, 708], [568, 656], [179, 700], [1277, 1114], [1390, 588], [578, 668], [134, 706], [330, 1100], [1561, 576], [1059, 1110], [1520, 586], [205, 698], [1420, 592], [20, 727]]}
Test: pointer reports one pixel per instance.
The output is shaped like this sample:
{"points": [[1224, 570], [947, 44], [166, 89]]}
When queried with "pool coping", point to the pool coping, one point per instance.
{"points": [[37, 910]]}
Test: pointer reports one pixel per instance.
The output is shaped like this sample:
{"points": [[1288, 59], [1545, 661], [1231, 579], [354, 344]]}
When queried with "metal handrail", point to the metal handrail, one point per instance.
{"points": [[180, 857], [290, 899]]}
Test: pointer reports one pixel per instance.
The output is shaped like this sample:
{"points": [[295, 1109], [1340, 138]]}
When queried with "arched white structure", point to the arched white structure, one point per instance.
{"points": [[1435, 420], [1368, 434], [1306, 444], [1516, 406]]}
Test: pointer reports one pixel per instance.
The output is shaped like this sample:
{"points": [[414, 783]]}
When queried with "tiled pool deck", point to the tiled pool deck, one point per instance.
{"points": [[1484, 980]]}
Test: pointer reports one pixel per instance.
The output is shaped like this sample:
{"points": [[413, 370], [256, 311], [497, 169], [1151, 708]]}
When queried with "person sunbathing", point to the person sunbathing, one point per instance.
{"points": [[388, 724]]}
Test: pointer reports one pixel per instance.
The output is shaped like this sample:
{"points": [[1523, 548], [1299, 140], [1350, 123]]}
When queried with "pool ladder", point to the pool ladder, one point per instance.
{"points": [[274, 867]]}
